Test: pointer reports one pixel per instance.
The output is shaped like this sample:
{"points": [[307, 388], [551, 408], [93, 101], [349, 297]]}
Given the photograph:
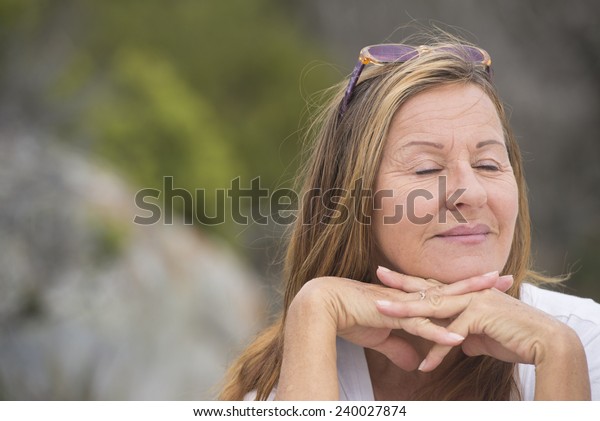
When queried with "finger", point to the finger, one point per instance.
{"points": [[434, 358], [414, 284], [484, 345], [404, 282], [475, 283], [461, 325], [504, 283], [476, 346], [479, 283], [400, 352], [437, 353], [424, 328], [434, 305]]}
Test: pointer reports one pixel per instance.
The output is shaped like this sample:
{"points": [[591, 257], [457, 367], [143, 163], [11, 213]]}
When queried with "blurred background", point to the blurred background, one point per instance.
{"points": [[102, 98]]}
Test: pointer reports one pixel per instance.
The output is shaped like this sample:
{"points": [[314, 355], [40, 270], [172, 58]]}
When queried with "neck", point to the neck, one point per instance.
{"points": [[391, 382]]}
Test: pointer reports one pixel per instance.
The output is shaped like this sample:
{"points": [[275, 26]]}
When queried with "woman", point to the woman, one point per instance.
{"points": [[407, 272]]}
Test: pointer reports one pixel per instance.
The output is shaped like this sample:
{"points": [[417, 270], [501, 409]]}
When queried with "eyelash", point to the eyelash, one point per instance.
{"points": [[490, 168], [428, 171]]}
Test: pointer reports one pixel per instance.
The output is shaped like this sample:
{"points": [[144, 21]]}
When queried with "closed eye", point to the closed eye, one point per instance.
{"points": [[428, 171], [488, 167]]}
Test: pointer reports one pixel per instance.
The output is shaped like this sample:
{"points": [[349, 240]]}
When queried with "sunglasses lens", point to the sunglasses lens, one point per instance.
{"points": [[473, 54], [390, 53]]}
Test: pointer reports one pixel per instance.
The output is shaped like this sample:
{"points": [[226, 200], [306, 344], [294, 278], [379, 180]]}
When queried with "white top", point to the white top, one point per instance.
{"points": [[581, 314]]}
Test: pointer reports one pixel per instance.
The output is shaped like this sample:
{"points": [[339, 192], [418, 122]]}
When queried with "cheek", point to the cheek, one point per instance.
{"points": [[401, 215], [504, 201], [405, 204]]}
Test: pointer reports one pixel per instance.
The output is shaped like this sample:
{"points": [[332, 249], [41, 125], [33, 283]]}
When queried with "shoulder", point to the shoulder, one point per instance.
{"points": [[563, 306]]}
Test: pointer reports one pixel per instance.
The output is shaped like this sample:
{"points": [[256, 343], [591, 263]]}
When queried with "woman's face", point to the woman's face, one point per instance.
{"points": [[447, 199]]}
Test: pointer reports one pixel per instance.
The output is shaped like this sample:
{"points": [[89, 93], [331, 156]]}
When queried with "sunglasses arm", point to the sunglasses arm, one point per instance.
{"points": [[351, 85]]}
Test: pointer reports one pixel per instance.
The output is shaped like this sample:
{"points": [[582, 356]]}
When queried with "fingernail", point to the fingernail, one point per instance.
{"points": [[422, 365], [506, 278], [490, 274], [455, 336], [384, 269], [383, 303]]}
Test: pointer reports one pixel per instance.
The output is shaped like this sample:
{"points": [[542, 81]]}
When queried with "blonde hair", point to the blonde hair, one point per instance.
{"points": [[348, 149]]}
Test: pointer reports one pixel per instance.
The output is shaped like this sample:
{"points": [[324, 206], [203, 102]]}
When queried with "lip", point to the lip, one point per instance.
{"points": [[459, 230], [466, 234]]}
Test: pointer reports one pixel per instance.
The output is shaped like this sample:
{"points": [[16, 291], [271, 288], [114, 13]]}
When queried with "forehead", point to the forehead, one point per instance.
{"points": [[447, 111]]}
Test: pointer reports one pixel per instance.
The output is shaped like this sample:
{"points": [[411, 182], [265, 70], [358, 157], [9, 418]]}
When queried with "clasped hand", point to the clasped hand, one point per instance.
{"points": [[474, 313]]}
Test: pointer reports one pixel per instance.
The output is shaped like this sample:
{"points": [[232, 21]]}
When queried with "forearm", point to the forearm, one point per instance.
{"points": [[309, 368], [563, 372]]}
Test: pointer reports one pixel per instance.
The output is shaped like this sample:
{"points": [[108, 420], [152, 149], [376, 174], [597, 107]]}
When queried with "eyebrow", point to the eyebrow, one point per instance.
{"points": [[440, 146], [424, 143], [490, 142]]}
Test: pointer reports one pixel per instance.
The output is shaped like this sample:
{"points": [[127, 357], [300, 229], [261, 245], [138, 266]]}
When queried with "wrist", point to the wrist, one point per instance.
{"points": [[308, 369], [562, 344], [561, 369]]}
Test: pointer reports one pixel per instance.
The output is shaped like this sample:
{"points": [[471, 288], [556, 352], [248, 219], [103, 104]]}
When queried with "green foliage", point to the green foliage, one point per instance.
{"points": [[152, 125], [19, 13], [204, 91]]}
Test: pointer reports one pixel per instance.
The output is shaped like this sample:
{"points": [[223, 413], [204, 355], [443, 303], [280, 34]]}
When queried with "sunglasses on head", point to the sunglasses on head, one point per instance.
{"points": [[400, 53]]}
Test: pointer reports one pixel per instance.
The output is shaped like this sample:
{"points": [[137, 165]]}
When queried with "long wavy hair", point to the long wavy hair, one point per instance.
{"points": [[342, 151]]}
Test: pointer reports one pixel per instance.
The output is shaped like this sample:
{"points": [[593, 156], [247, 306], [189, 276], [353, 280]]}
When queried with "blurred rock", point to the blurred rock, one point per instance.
{"points": [[93, 306]]}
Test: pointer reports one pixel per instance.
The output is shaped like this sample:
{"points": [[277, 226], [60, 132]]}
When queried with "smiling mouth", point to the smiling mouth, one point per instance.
{"points": [[466, 234]]}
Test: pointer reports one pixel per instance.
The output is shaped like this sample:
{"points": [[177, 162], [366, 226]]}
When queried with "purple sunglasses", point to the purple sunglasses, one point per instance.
{"points": [[400, 53]]}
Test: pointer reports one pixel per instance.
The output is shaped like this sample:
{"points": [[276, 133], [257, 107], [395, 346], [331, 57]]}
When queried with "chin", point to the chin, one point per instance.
{"points": [[452, 274]]}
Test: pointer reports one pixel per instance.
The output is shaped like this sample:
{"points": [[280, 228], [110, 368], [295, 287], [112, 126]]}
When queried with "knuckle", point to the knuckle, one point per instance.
{"points": [[432, 281], [314, 286], [435, 297], [438, 289], [398, 323], [420, 325], [313, 292]]}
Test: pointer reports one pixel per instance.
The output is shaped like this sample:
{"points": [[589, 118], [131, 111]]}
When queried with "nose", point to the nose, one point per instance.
{"points": [[464, 189]]}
